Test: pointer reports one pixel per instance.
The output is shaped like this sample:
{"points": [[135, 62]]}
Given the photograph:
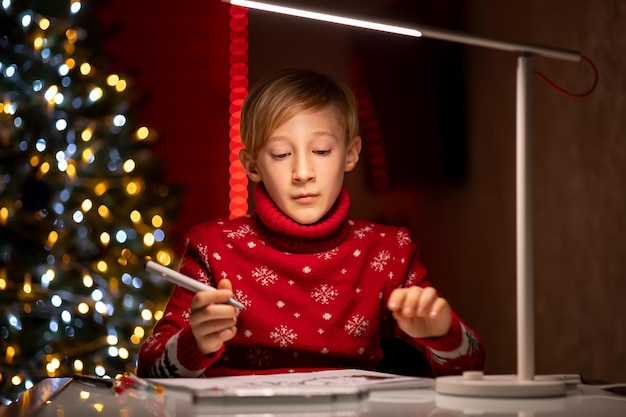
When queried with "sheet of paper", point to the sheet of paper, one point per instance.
{"points": [[319, 383]]}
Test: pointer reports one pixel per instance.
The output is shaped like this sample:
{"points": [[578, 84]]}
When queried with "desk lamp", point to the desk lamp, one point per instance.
{"points": [[475, 384]]}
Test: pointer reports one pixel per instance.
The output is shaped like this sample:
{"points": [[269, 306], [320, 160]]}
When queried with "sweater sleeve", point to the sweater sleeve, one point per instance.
{"points": [[459, 350], [171, 349]]}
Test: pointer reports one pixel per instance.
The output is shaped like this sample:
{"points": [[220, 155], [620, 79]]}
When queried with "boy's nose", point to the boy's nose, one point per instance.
{"points": [[303, 170]]}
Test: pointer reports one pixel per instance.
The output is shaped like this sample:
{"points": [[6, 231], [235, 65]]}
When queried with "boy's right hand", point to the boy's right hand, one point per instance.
{"points": [[213, 322]]}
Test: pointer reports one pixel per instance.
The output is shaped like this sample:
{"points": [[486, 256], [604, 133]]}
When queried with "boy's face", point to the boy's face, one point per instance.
{"points": [[302, 164]]}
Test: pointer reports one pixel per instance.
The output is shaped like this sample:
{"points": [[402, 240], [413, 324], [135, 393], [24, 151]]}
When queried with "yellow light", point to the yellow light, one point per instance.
{"points": [[78, 365], [129, 166], [123, 353], [71, 35], [135, 340], [105, 238], [34, 161], [102, 266], [84, 395], [104, 211], [44, 168], [148, 239], [135, 216], [142, 133], [83, 308], [87, 281], [56, 363], [113, 79], [112, 340], [70, 63], [10, 353], [158, 315], [50, 93], [87, 155], [16, 380], [86, 135], [86, 205], [164, 258], [85, 68], [157, 221], [3, 283], [4, 215], [120, 86], [38, 43], [146, 314], [44, 23], [139, 331], [53, 236], [71, 170], [132, 188], [27, 287], [100, 189], [96, 94], [99, 407]]}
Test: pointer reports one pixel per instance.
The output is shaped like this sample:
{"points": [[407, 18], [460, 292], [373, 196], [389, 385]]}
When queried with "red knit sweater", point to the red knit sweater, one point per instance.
{"points": [[315, 296]]}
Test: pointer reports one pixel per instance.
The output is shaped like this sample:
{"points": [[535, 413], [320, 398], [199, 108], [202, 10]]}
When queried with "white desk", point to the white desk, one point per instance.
{"points": [[64, 397]]}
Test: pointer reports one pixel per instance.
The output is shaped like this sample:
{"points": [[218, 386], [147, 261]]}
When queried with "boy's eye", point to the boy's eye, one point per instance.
{"points": [[322, 152], [279, 155]]}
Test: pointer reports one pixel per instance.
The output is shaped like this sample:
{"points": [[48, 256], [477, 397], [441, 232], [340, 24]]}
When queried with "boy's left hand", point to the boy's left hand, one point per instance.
{"points": [[420, 312]]}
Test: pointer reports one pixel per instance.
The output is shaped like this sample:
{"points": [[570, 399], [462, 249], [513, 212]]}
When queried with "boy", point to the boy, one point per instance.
{"points": [[322, 290]]}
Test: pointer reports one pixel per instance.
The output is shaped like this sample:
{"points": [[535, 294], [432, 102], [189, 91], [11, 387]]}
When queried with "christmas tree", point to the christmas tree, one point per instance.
{"points": [[83, 203]]}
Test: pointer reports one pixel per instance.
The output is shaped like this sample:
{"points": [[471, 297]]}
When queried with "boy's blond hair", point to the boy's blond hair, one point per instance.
{"points": [[288, 92]]}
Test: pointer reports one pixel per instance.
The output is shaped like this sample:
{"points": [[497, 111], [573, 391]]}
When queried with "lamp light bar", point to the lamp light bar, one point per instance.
{"points": [[324, 17], [413, 31]]}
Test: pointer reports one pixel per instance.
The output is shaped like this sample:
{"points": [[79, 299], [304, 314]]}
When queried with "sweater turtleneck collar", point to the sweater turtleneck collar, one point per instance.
{"points": [[281, 232]]}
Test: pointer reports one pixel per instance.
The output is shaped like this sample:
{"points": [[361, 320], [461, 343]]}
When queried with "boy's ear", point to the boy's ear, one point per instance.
{"points": [[352, 156], [249, 164]]}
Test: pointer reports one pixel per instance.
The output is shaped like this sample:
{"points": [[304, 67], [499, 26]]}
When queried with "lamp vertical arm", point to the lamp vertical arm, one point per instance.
{"points": [[525, 291]]}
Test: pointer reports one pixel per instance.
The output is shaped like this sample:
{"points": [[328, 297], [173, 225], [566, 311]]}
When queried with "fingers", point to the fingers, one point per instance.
{"points": [[213, 322], [416, 302]]}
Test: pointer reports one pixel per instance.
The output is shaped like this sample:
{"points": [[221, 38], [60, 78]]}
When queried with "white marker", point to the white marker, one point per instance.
{"points": [[185, 281]]}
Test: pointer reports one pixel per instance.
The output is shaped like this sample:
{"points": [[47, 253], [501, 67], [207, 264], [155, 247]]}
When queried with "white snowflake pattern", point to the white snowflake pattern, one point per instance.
{"points": [[403, 238], [224, 274], [324, 294], [283, 335], [241, 232], [356, 325], [328, 255], [296, 315], [280, 304], [320, 330], [307, 269], [217, 256], [264, 276], [185, 315], [327, 316], [229, 246], [380, 261], [202, 250], [251, 245], [324, 351], [344, 271], [390, 275], [412, 279], [291, 282], [356, 253], [247, 333], [239, 295], [360, 233], [361, 350], [357, 290]]}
